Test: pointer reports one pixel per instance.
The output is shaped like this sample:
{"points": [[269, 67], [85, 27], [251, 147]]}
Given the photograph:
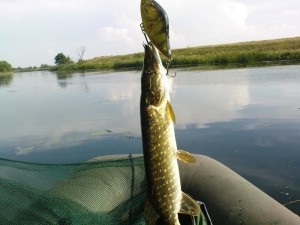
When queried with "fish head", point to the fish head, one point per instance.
{"points": [[154, 77], [152, 61]]}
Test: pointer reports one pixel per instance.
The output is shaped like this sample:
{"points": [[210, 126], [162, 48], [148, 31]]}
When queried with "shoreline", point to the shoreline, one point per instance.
{"points": [[284, 51]]}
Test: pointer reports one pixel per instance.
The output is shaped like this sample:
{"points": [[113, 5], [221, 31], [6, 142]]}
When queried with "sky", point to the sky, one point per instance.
{"points": [[33, 32]]}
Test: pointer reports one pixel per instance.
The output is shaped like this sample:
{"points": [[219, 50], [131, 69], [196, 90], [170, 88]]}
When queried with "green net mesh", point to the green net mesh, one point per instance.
{"points": [[106, 191]]}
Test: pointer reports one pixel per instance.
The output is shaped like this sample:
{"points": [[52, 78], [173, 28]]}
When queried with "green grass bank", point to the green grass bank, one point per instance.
{"points": [[252, 53]]}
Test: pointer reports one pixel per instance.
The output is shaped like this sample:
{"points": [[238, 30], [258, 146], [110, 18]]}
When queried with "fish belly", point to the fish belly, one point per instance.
{"points": [[163, 181]]}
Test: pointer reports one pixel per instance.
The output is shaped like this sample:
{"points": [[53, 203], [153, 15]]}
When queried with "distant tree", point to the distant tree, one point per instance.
{"points": [[5, 66], [44, 66], [61, 59], [80, 52]]}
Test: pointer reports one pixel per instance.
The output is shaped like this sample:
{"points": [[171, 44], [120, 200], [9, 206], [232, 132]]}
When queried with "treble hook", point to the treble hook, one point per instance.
{"points": [[168, 66], [168, 62]]}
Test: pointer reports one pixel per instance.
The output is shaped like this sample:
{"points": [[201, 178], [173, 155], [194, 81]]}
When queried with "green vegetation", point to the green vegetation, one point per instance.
{"points": [[120, 62], [239, 54], [246, 53], [5, 67], [61, 59], [32, 68], [254, 53]]}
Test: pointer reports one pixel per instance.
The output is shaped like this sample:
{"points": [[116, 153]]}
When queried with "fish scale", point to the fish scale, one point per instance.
{"points": [[164, 196], [162, 157]]}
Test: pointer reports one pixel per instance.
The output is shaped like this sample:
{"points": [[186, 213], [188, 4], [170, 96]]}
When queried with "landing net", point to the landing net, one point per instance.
{"points": [[105, 191]]}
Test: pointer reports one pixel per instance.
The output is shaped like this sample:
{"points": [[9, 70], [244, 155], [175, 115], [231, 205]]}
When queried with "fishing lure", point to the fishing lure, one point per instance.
{"points": [[155, 23]]}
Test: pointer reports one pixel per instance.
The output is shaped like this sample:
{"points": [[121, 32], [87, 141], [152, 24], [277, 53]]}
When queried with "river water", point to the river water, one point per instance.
{"points": [[248, 119]]}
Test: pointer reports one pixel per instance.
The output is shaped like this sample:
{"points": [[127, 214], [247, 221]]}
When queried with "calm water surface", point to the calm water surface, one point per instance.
{"points": [[249, 119]]}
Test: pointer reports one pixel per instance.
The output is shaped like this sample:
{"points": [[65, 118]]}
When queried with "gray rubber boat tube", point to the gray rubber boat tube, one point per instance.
{"points": [[229, 198]]}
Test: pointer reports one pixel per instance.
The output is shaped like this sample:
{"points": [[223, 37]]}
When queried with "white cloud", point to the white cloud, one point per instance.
{"points": [[117, 35], [33, 26], [225, 21], [177, 38]]}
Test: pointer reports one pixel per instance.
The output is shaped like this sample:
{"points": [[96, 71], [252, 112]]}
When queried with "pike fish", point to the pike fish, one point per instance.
{"points": [[164, 196]]}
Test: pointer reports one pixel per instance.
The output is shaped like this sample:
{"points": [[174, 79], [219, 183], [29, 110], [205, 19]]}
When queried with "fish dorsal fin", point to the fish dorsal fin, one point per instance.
{"points": [[189, 206], [185, 157], [150, 215], [171, 112]]}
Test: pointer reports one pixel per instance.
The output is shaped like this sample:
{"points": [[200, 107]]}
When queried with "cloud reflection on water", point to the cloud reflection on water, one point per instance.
{"points": [[53, 117], [209, 96], [246, 118]]}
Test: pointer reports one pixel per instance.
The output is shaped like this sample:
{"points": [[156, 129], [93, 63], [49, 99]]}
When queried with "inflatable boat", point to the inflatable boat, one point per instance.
{"points": [[111, 190]]}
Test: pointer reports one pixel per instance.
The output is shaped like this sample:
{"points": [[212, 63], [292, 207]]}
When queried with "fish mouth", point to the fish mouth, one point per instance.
{"points": [[152, 61]]}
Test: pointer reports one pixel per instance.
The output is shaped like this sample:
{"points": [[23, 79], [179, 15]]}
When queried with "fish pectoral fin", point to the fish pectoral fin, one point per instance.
{"points": [[171, 112], [150, 215], [185, 157], [189, 206]]}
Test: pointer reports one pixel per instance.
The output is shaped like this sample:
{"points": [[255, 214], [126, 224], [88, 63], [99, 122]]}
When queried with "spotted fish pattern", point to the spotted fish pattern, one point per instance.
{"points": [[164, 196]]}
